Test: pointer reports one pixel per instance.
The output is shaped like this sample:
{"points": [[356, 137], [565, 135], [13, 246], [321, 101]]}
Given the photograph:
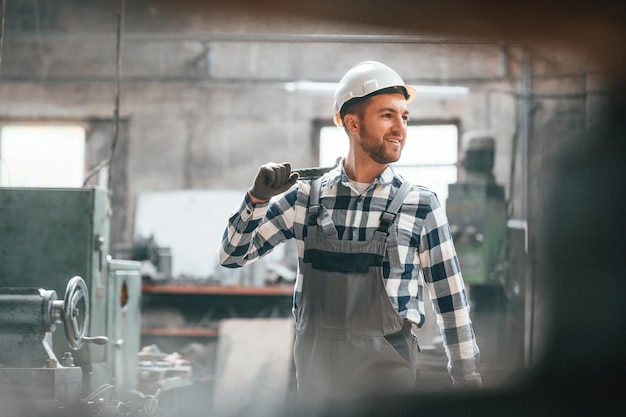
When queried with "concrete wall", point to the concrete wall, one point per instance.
{"points": [[204, 108]]}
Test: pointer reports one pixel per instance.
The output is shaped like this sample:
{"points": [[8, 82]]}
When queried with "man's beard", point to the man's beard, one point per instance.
{"points": [[377, 152]]}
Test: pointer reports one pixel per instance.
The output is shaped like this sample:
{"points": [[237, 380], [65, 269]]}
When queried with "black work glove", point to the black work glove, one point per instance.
{"points": [[272, 179]]}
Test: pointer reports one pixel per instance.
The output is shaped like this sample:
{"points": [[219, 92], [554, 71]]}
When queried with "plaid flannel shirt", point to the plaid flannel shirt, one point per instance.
{"points": [[425, 251]]}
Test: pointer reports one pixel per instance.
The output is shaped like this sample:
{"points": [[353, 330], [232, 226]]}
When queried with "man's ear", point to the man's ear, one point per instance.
{"points": [[351, 121]]}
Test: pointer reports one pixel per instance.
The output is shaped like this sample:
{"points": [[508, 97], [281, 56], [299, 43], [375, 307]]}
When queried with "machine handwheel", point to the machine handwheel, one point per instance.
{"points": [[75, 315]]}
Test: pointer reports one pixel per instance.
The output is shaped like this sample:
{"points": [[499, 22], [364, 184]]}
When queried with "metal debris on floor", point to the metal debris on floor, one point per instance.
{"points": [[162, 371]]}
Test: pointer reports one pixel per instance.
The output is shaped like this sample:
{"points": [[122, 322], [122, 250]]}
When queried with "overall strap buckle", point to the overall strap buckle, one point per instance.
{"points": [[386, 219], [312, 215]]}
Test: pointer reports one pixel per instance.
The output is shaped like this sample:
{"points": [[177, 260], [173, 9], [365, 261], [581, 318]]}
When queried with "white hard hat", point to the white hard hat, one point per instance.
{"points": [[363, 79]]}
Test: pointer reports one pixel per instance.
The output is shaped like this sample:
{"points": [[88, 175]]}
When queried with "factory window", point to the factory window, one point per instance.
{"points": [[429, 157], [42, 155]]}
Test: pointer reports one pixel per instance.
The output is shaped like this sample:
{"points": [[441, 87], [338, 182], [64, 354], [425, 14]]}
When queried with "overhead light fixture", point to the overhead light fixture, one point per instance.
{"points": [[311, 87], [440, 91], [433, 92]]}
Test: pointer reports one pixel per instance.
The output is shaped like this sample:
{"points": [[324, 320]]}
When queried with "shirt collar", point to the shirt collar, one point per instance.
{"points": [[338, 174]]}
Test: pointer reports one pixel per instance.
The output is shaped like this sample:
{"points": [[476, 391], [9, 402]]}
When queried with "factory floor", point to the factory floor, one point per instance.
{"points": [[433, 377], [497, 367]]}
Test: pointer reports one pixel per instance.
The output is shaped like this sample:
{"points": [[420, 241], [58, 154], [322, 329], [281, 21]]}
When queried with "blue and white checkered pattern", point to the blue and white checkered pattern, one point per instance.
{"points": [[424, 254]]}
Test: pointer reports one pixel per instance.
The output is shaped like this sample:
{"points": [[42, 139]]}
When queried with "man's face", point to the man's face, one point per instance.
{"points": [[383, 127]]}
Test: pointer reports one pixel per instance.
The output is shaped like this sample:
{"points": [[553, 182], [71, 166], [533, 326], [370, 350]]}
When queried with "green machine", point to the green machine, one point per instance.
{"points": [[48, 236], [476, 210]]}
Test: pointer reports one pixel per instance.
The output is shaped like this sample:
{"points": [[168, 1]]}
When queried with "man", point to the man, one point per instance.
{"points": [[368, 242]]}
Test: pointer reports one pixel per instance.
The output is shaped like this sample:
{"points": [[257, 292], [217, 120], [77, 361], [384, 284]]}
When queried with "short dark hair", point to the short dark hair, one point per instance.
{"points": [[345, 109]]}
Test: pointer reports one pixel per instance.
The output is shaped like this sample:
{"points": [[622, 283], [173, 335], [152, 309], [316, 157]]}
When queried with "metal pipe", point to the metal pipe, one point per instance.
{"points": [[2, 10], [525, 134], [525, 114], [261, 37]]}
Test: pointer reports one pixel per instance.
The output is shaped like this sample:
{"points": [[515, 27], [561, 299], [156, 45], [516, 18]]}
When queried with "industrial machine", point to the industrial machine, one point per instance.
{"points": [[32, 376], [47, 236], [476, 210]]}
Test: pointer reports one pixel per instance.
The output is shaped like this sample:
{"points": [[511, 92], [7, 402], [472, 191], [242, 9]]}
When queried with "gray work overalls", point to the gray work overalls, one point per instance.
{"points": [[346, 324]]}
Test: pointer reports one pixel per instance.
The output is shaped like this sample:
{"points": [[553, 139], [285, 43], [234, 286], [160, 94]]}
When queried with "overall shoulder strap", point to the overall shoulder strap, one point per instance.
{"points": [[314, 201], [317, 210], [389, 215]]}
